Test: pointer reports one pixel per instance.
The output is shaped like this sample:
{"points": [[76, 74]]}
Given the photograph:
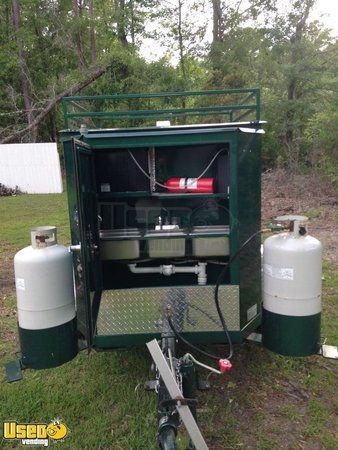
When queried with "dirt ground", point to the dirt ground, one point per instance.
{"points": [[290, 403], [310, 195]]}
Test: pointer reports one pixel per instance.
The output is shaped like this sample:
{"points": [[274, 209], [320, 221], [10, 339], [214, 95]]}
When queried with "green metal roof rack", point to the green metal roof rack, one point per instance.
{"points": [[230, 105]]}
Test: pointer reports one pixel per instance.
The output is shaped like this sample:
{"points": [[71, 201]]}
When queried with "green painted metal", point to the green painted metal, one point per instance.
{"points": [[141, 114], [291, 335], [248, 216], [89, 280], [162, 94], [242, 204], [49, 347], [66, 134], [198, 111], [234, 277], [64, 110], [165, 138], [13, 371], [114, 195], [139, 340]]}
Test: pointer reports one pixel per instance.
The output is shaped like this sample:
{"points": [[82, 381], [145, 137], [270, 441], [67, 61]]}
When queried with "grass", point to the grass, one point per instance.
{"points": [[266, 402], [19, 214]]}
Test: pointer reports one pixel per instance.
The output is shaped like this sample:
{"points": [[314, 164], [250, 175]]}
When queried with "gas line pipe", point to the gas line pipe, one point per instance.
{"points": [[170, 269]]}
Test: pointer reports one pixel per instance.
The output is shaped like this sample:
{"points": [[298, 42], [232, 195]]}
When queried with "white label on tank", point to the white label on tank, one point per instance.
{"points": [[182, 183], [20, 284], [251, 312], [105, 187], [278, 272], [192, 183]]}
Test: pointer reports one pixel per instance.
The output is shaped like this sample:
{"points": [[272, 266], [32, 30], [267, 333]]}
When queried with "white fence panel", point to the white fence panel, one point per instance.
{"points": [[34, 168]]}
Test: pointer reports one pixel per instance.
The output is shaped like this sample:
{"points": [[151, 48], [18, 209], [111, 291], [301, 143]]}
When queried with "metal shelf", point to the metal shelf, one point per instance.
{"points": [[112, 195], [161, 195], [185, 233]]}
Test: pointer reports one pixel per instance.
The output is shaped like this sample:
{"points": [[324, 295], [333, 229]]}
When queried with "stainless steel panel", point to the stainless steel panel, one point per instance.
{"points": [[210, 229], [123, 233], [132, 311]]}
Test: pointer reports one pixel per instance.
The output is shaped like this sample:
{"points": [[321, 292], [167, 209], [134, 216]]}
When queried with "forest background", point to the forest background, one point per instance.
{"points": [[52, 48]]}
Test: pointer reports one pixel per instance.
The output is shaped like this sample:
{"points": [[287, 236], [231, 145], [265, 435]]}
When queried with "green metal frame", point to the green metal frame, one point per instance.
{"points": [[75, 107], [244, 144]]}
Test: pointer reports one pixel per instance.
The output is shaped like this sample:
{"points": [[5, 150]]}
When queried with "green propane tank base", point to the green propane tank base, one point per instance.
{"points": [[291, 335], [49, 347]]}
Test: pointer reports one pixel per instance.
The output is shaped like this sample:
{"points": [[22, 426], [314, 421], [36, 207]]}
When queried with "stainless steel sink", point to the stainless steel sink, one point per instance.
{"points": [[108, 235], [210, 240], [210, 229], [166, 243], [164, 233], [120, 244]]}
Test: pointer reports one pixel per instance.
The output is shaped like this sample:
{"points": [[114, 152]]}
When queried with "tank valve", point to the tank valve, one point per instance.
{"points": [[74, 248], [224, 365], [302, 230]]}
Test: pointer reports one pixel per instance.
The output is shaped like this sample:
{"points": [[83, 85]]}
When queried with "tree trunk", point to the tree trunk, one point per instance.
{"points": [[292, 85], [24, 73], [120, 14], [216, 21], [92, 37], [52, 103], [181, 49], [180, 42], [132, 21], [217, 39], [78, 37], [7, 13]]}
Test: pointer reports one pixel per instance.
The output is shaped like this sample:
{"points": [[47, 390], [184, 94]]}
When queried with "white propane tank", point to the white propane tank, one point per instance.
{"points": [[45, 301], [292, 273]]}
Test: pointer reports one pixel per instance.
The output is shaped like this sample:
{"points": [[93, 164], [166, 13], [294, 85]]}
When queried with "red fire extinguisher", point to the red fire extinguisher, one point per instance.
{"points": [[193, 185]]}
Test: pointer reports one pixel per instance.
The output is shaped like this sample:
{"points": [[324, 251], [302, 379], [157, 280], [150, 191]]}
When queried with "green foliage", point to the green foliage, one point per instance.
{"points": [[321, 136], [266, 44]]}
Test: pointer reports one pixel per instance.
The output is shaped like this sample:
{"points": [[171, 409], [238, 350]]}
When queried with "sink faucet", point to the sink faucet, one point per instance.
{"points": [[159, 224]]}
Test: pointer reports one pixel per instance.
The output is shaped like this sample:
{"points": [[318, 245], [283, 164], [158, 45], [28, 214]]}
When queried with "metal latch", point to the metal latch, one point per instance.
{"points": [[75, 248]]}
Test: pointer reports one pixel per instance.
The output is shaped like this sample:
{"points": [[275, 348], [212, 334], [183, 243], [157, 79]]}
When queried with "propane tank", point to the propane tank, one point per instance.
{"points": [[292, 274], [45, 301], [197, 185]]}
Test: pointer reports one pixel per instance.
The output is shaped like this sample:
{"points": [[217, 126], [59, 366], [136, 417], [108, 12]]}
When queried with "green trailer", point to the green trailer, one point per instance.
{"points": [[114, 206], [165, 221]]}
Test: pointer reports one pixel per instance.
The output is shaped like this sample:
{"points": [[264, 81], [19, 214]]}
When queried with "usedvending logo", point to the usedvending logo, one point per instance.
{"points": [[35, 433]]}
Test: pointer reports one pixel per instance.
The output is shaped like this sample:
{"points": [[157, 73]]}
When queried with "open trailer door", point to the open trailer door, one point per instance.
{"points": [[87, 258]]}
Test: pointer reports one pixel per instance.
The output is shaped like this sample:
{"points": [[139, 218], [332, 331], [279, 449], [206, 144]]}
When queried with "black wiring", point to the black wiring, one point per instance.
{"points": [[220, 314]]}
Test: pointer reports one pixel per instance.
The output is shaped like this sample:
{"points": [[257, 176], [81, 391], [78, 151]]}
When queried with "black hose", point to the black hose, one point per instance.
{"points": [[220, 314]]}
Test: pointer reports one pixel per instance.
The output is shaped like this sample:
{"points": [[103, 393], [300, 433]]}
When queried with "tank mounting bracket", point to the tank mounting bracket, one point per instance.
{"points": [[328, 351], [14, 371]]}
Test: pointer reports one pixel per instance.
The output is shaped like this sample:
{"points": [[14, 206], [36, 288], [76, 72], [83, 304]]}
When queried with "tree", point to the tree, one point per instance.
{"points": [[229, 19], [294, 66], [51, 105], [121, 19], [92, 33], [77, 13], [24, 71]]}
